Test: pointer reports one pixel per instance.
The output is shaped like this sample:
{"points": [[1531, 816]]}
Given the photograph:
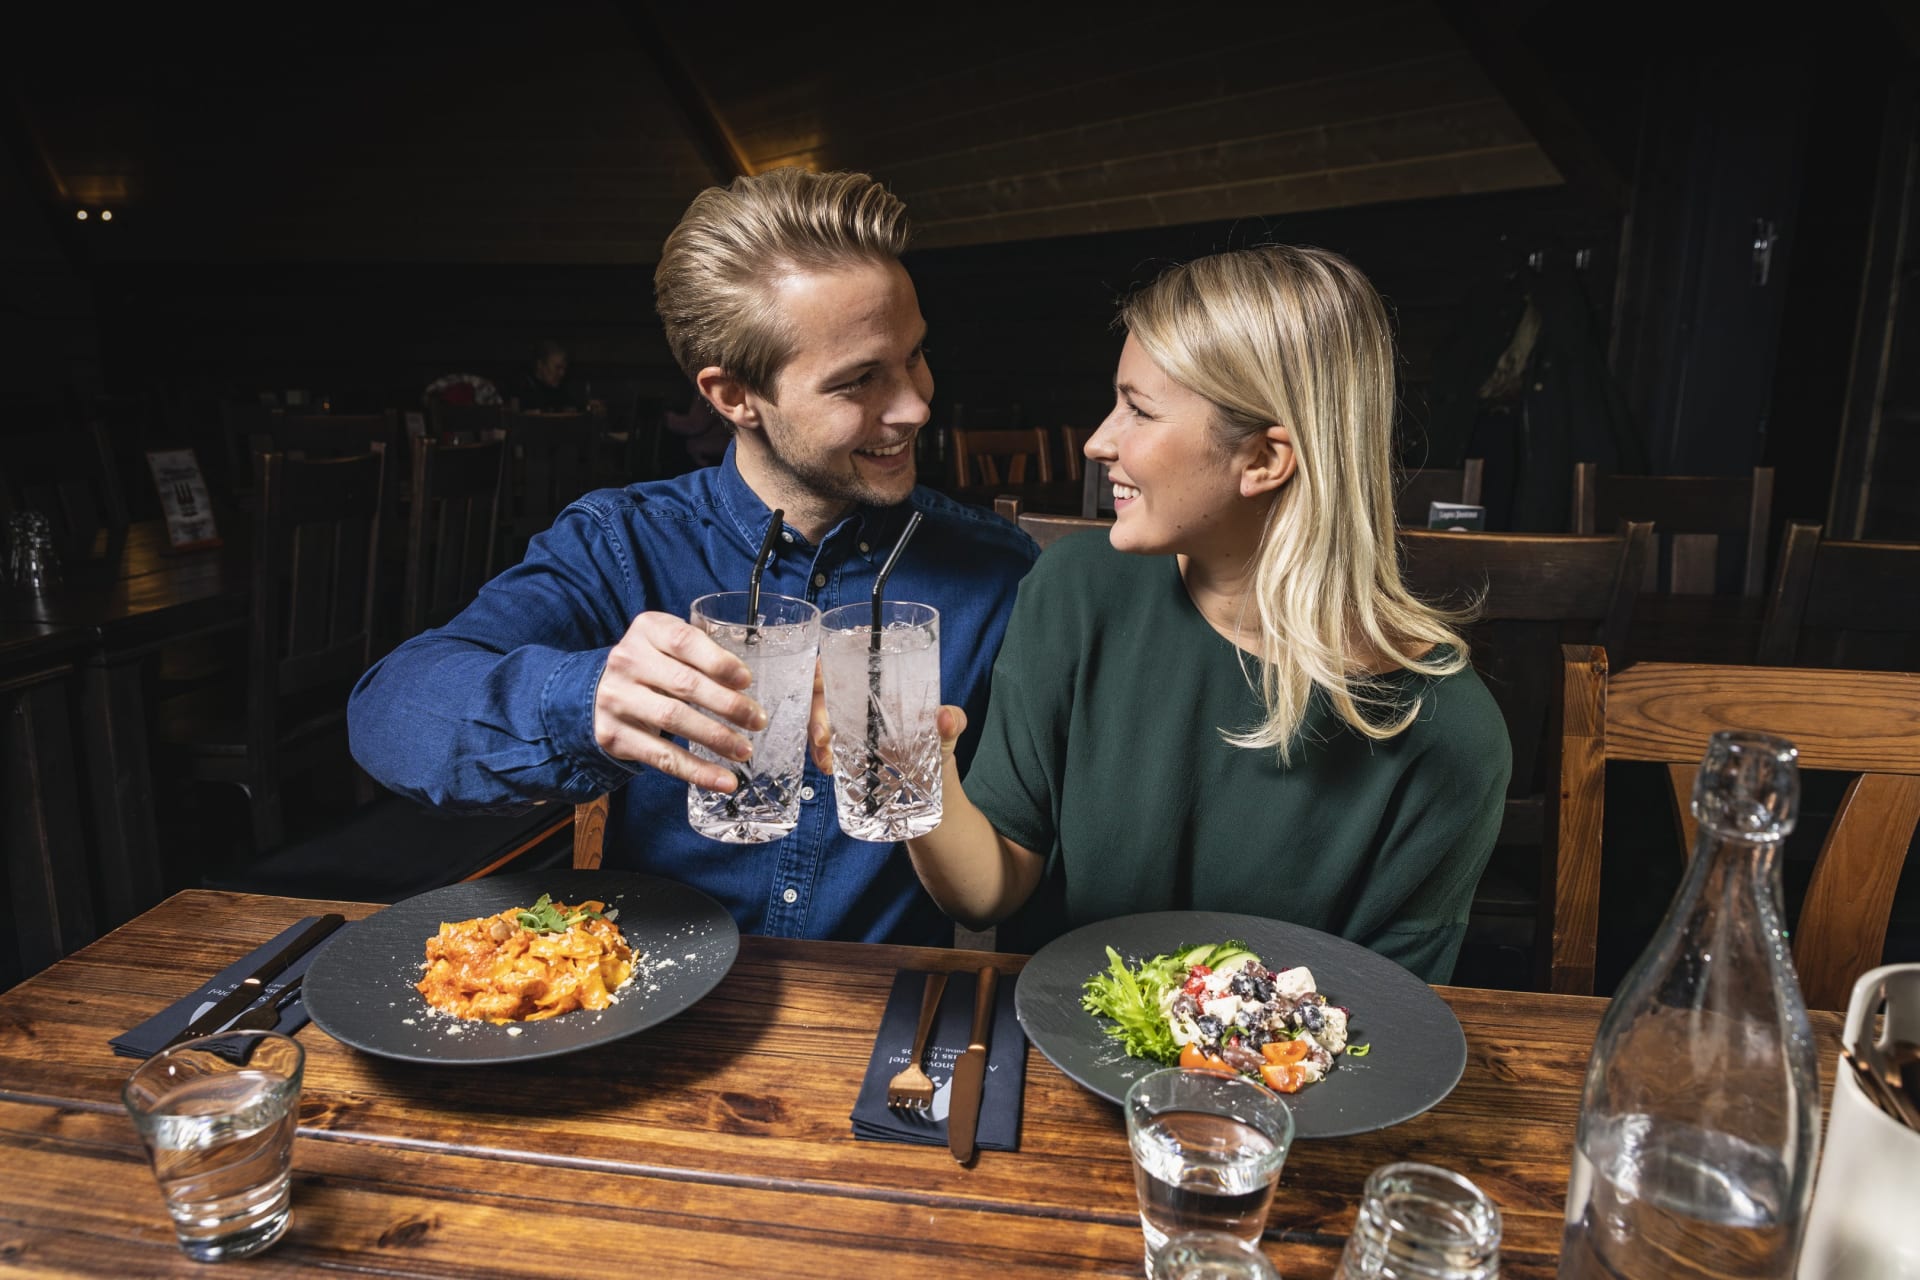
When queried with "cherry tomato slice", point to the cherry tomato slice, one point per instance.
{"points": [[1284, 1077], [1192, 1056], [1284, 1051]]}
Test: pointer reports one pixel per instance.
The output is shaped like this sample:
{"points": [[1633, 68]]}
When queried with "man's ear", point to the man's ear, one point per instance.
{"points": [[1271, 466], [728, 396]]}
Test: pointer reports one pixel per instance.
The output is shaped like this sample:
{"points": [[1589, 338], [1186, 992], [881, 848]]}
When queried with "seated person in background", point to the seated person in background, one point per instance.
{"points": [[570, 675], [1230, 702], [461, 389], [544, 388]]}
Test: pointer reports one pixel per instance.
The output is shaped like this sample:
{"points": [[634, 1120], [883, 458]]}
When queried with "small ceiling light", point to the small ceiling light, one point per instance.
{"points": [[106, 215], [81, 214]]}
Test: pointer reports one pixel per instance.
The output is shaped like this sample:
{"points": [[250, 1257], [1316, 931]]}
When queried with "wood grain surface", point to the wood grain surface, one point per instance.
{"points": [[715, 1143]]}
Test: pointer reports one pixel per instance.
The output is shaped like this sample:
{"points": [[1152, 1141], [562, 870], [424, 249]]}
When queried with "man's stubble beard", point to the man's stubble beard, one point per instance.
{"points": [[821, 479]]}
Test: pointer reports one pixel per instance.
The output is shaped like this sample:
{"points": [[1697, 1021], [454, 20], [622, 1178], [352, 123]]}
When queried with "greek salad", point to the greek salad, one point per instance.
{"points": [[1215, 1006]]}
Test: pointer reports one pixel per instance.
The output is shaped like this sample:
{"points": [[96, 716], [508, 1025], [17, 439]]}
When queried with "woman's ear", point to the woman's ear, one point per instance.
{"points": [[728, 396], [1271, 465]]}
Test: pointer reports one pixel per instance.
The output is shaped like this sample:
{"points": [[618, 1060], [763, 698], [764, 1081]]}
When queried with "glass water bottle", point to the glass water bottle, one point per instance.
{"points": [[1699, 1126]]}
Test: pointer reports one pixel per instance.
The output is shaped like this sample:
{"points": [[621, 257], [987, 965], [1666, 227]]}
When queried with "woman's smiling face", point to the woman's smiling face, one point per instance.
{"points": [[1176, 488]]}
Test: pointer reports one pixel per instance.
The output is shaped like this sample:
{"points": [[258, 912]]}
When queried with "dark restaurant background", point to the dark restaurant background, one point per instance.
{"points": [[349, 201]]}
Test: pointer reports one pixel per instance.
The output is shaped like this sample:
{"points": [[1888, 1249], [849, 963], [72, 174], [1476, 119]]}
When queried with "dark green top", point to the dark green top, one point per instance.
{"points": [[1102, 750]]}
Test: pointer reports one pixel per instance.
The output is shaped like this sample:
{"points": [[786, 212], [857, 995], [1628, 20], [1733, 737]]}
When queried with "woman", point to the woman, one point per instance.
{"points": [[1232, 702]]}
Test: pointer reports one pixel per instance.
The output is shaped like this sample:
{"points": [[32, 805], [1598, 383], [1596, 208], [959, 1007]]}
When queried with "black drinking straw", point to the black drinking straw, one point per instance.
{"points": [[753, 636], [760, 567], [872, 779]]}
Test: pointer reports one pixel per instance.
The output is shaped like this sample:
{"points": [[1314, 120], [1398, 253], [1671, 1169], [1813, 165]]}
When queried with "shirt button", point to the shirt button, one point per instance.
{"points": [[819, 579], [806, 793], [785, 536], [790, 897], [865, 548]]}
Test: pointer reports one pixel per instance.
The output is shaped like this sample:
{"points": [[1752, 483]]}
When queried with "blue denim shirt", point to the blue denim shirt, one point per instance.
{"points": [[495, 709]]}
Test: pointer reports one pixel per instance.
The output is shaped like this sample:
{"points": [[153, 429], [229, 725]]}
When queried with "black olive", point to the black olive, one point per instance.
{"points": [[1241, 984], [1311, 1017], [1209, 1027], [1262, 989]]}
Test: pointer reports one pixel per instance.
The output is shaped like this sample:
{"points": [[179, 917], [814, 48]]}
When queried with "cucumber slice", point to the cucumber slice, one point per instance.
{"points": [[1198, 955], [1230, 959]]}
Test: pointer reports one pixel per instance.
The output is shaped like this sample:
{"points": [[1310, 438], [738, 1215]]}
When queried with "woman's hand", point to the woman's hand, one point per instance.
{"points": [[950, 722]]}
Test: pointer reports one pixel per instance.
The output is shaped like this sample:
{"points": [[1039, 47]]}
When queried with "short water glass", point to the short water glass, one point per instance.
{"points": [[217, 1116], [780, 643], [883, 697], [1209, 1255], [1207, 1150], [1419, 1222]]}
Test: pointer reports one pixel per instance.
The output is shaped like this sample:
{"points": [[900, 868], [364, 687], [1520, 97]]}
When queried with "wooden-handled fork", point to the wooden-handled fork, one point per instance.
{"points": [[911, 1090]]}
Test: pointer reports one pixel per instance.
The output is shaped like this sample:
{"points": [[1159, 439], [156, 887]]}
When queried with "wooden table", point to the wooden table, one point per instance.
{"points": [[717, 1143], [134, 597]]}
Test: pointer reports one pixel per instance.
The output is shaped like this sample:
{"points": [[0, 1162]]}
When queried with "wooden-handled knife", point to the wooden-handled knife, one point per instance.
{"points": [[970, 1072]]}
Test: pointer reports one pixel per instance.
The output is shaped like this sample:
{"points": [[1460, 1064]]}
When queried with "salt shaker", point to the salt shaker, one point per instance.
{"points": [[1419, 1222], [32, 564]]}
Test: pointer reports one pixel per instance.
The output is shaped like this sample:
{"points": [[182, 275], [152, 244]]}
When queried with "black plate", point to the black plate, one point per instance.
{"points": [[1418, 1048], [360, 989]]}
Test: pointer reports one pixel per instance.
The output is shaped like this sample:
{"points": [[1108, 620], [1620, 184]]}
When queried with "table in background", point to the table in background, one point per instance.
{"points": [[131, 599], [716, 1143]]}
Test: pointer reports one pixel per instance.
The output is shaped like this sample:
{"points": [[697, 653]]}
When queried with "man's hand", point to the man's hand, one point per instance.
{"points": [[660, 671]]}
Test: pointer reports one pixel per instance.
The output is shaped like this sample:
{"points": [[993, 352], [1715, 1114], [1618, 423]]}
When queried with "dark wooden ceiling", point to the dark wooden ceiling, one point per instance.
{"points": [[578, 132]]}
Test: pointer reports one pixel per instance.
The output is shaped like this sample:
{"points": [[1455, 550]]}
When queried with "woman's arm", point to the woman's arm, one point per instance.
{"points": [[975, 874]]}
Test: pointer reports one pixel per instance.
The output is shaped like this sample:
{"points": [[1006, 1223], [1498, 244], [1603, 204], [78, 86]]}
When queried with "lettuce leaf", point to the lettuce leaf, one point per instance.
{"points": [[1130, 1000]]}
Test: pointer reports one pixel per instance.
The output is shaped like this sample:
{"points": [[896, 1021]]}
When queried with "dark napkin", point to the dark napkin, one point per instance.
{"points": [[1006, 1065], [152, 1035]]}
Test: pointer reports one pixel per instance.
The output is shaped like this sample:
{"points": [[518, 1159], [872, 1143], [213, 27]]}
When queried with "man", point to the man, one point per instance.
{"points": [[571, 675], [545, 388]]}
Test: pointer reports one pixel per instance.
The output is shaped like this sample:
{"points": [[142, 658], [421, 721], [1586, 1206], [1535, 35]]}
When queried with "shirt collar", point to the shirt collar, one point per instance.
{"points": [[870, 531]]}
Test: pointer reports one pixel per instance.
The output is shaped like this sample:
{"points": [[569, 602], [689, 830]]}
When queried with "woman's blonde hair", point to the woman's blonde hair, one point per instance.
{"points": [[1299, 337], [713, 287]]}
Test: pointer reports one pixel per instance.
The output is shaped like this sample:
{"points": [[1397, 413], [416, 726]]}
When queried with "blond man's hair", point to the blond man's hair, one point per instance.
{"points": [[1298, 337], [714, 284]]}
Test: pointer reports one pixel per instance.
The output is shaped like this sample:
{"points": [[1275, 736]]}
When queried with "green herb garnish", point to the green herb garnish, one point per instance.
{"points": [[544, 917], [1131, 999], [1359, 1050]]}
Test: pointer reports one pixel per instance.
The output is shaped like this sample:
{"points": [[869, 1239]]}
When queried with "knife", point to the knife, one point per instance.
{"points": [[970, 1072], [235, 1002]]}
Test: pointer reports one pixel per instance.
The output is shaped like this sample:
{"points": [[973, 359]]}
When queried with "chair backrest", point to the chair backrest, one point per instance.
{"points": [[1843, 604], [550, 462], [1533, 592], [590, 833], [1419, 489], [1044, 529], [1002, 457], [331, 435], [1073, 447], [316, 585], [453, 528], [1691, 513], [464, 423], [1861, 722]]}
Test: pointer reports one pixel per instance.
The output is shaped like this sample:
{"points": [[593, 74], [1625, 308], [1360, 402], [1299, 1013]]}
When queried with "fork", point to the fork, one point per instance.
{"points": [[910, 1090], [264, 1015]]}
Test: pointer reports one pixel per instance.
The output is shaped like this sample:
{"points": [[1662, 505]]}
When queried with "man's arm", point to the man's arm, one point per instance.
{"points": [[543, 688]]}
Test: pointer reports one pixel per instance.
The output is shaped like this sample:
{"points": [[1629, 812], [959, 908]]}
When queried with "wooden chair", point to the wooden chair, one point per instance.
{"points": [[1002, 457], [1533, 593], [1852, 721], [1096, 486], [1436, 484], [68, 476], [313, 613], [550, 462], [331, 435], [464, 423], [1843, 604], [1044, 529], [453, 528], [1692, 512]]}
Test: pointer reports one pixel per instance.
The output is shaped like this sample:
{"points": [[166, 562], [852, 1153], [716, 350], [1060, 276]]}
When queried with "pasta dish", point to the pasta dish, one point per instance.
{"points": [[527, 963]]}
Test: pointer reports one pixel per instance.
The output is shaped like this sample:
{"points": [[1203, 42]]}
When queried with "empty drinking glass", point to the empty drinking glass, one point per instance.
{"points": [[1419, 1222], [32, 564], [1207, 1149], [217, 1116], [780, 643]]}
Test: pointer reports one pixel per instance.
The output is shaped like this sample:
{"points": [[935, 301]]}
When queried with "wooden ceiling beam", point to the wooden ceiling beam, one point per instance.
{"points": [[1491, 33], [705, 127]]}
